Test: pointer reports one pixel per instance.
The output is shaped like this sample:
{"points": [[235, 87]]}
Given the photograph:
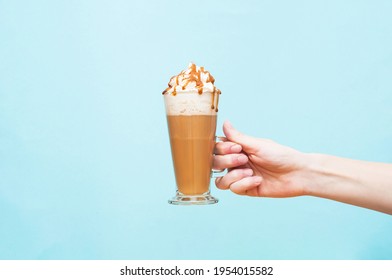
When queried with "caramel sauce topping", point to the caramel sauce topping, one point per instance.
{"points": [[193, 77]]}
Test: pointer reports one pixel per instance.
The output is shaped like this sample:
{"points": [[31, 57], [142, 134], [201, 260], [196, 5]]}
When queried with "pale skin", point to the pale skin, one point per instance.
{"points": [[262, 168]]}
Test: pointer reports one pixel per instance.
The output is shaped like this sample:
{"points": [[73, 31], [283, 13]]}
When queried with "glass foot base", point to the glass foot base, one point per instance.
{"points": [[203, 199]]}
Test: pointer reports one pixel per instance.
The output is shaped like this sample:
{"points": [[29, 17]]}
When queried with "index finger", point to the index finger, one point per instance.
{"points": [[227, 147]]}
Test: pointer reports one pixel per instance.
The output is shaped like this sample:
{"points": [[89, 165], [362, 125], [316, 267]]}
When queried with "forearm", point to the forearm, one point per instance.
{"points": [[360, 183]]}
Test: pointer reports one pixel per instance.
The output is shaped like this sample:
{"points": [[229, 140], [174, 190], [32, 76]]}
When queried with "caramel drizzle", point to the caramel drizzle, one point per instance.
{"points": [[215, 100], [195, 76]]}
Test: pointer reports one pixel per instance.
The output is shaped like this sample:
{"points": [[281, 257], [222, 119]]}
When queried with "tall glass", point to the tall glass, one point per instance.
{"points": [[191, 119]]}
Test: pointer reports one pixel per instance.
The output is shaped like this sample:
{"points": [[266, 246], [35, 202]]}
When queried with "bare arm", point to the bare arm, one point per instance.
{"points": [[360, 183]]}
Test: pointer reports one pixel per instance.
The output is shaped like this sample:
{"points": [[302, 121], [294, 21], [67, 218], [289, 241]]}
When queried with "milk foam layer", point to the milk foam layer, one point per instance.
{"points": [[191, 103]]}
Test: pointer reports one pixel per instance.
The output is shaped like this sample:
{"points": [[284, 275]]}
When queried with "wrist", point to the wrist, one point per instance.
{"points": [[329, 176], [318, 174]]}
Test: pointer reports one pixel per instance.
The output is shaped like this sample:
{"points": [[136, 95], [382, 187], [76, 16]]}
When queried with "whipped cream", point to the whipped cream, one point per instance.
{"points": [[193, 79], [192, 92]]}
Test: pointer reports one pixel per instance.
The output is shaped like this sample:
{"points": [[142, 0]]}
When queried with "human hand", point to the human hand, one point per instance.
{"points": [[259, 167]]}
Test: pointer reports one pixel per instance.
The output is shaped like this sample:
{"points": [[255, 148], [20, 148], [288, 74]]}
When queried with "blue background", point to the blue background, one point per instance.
{"points": [[85, 164]]}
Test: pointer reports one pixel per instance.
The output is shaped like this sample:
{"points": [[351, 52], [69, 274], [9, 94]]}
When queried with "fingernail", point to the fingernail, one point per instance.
{"points": [[258, 180], [248, 172], [242, 159], [229, 125], [235, 148]]}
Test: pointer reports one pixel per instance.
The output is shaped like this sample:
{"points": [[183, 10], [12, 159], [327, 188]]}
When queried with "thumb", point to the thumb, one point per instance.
{"points": [[248, 143]]}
